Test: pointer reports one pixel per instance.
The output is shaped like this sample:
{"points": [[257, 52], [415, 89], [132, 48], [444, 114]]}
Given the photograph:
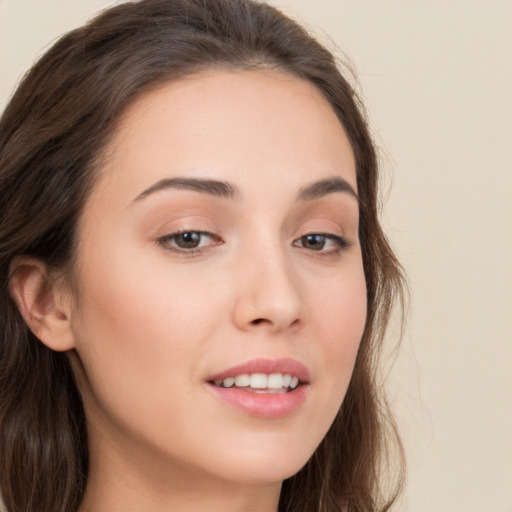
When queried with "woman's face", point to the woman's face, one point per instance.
{"points": [[220, 243]]}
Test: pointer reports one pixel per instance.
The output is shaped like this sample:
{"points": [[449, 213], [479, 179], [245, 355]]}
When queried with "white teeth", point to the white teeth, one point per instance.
{"points": [[258, 381], [243, 381], [228, 382], [275, 381]]}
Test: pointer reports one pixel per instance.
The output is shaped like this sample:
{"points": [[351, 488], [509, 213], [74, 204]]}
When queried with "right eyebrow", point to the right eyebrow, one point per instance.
{"points": [[327, 186], [214, 188]]}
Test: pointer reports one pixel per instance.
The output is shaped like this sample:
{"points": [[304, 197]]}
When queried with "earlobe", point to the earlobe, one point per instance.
{"points": [[41, 303]]}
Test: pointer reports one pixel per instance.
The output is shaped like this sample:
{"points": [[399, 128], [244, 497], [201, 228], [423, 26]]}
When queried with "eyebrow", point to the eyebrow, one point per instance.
{"points": [[326, 186], [214, 188], [226, 190]]}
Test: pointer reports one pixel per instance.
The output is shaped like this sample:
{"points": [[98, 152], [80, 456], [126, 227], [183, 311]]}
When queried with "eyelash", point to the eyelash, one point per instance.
{"points": [[341, 243]]}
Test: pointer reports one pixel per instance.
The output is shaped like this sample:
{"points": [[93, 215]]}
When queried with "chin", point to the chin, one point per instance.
{"points": [[263, 472], [266, 463]]}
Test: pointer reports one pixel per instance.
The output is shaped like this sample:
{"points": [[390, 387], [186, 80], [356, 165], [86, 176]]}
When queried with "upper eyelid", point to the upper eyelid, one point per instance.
{"points": [[180, 231], [173, 234], [327, 234], [345, 242]]}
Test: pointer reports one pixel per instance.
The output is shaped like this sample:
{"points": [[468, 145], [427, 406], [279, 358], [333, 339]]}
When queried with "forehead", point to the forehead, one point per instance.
{"points": [[249, 127]]}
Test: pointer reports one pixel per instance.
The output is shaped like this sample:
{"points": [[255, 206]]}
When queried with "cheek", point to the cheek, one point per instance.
{"points": [[338, 319], [339, 308], [140, 331], [137, 298]]}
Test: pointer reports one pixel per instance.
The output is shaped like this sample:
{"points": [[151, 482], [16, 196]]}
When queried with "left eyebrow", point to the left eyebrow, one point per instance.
{"points": [[324, 187]]}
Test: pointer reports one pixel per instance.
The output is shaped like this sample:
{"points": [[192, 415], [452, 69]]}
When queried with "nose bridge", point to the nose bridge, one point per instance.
{"points": [[268, 289]]}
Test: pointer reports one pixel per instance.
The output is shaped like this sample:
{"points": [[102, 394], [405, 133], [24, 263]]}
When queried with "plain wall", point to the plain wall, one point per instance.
{"points": [[436, 77]]}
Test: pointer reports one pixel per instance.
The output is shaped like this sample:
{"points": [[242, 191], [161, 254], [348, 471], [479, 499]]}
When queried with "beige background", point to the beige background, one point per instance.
{"points": [[437, 79]]}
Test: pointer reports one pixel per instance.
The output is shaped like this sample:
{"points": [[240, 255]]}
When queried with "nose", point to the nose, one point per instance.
{"points": [[268, 294]]}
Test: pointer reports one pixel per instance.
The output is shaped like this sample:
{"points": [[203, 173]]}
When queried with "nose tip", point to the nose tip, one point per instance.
{"points": [[268, 299], [269, 317]]}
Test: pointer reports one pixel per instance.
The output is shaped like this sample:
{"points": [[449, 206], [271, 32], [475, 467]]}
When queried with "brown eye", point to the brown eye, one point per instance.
{"points": [[323, 243], [314, 242], [188, 240]]}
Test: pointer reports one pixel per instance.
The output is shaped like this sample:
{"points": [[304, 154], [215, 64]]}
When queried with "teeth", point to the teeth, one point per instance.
{"points": [[275, 381], [260, 381], [228, 382], [243, 381]]}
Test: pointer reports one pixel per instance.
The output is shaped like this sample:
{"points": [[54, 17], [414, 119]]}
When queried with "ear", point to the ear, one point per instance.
{"points": [[43, 302]]}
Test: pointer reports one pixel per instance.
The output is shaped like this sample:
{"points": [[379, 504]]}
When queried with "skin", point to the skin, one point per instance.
{"points": [[150, 324]]}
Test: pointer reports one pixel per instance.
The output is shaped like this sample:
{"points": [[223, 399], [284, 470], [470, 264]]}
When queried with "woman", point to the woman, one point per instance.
{"points": [[196, 284]]}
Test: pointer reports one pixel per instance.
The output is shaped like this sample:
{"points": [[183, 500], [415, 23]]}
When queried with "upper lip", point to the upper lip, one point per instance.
{"points": [[268, 366]]}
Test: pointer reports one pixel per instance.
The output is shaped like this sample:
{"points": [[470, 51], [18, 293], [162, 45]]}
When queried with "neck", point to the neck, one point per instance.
{"points": [[123, 494]]}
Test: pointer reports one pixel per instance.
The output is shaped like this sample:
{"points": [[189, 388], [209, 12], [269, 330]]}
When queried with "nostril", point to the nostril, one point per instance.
{"points": [[257, 321]]}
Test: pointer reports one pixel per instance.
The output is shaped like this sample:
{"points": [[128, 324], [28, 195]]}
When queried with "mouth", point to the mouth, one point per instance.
{"points": [[264, 388], [274, 383]]}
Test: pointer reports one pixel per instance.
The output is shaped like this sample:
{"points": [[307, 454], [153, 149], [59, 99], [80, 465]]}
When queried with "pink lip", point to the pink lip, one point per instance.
{"points": [[263, 405]]}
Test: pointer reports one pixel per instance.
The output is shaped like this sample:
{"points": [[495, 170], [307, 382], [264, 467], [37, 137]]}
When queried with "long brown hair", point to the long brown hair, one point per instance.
{"points": [[52, 135]]}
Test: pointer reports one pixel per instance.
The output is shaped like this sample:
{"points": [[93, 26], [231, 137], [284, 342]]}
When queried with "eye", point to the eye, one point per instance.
{"points": [[322, 242], [314, 242], [188, 242]]}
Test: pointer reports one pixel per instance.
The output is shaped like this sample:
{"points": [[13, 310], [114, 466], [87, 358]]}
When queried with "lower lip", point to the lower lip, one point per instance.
{"points": [[263, 405]]}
